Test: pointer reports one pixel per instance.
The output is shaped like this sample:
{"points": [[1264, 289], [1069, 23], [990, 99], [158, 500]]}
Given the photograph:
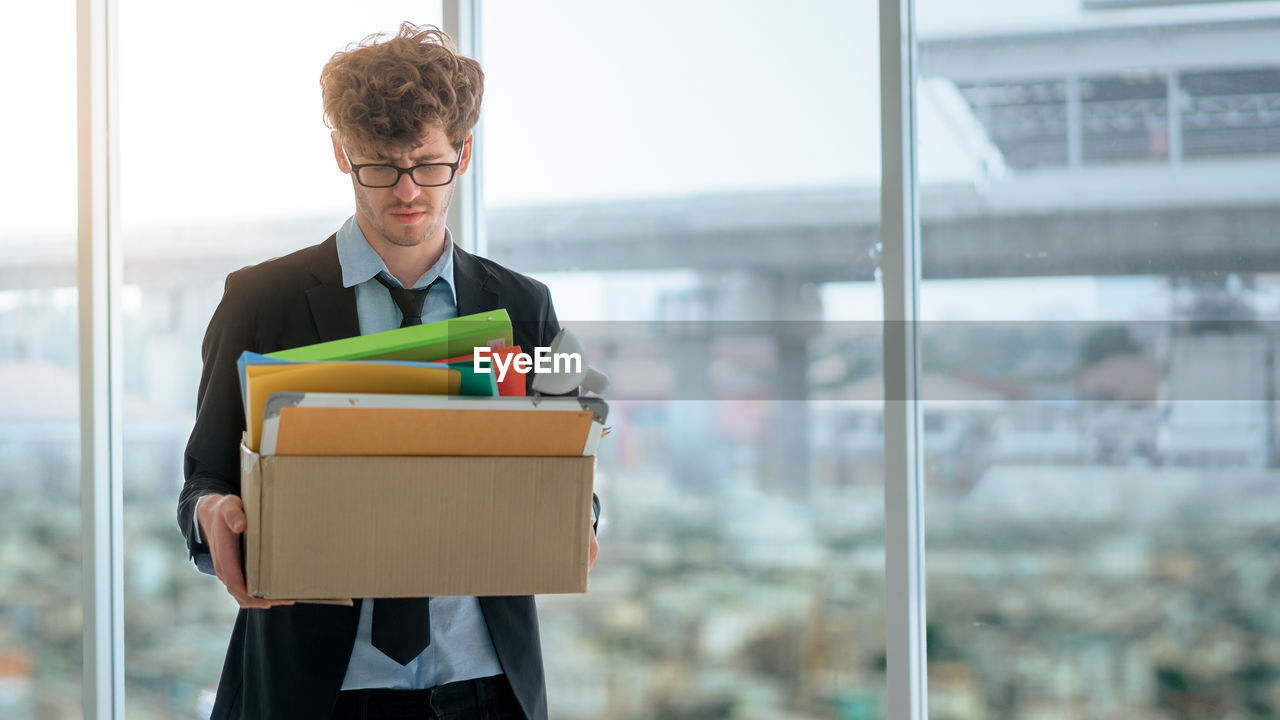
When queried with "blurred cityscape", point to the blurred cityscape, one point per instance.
{"points": [[1096, 547]]}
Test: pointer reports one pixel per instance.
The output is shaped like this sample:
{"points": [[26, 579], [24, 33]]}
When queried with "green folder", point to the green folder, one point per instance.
{"points": [[421, 343]]}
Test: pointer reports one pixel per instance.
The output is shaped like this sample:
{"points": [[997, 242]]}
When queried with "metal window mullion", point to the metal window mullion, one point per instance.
{"points": [[907, 689], [1173, 106], [1075, 123], [99, 273], [466, 213]]}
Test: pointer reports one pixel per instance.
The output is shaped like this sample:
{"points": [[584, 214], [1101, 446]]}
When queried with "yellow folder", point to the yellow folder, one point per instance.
{"points": [[346, 377]]}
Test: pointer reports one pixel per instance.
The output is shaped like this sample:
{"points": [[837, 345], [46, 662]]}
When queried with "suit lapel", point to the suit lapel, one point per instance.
{"points": [[473, 289], [333, 307]]}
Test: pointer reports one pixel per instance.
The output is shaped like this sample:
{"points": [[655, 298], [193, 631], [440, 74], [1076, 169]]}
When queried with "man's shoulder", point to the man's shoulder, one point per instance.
{"points": [[288, 272], [505, 280]]}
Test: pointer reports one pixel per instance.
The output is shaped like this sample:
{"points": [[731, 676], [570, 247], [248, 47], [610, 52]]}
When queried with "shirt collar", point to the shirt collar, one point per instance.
{"points": [[360, 263]]}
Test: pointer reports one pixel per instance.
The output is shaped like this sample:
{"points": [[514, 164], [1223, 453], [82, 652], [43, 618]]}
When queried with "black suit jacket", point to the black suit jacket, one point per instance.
{"points": [[289, 662]]}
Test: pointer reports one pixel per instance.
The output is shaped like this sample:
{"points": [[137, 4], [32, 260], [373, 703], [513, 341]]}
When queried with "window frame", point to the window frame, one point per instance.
{"points": [[99, 258], [905, 651], [99, 282]]}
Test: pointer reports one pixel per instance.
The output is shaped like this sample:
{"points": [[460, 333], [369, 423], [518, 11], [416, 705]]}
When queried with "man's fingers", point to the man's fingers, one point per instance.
{"points": [[236, 587], [225, 525], [234, 581], [233, 577], [224, 545], [252, 603], [227, 566], [249, 602]]}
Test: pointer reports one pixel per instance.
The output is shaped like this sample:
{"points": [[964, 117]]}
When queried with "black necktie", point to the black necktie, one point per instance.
{"points": [[402, 626], [409, 301]]}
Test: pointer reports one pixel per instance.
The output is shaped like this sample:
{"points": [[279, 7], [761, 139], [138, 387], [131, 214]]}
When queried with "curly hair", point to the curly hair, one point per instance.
{"points": [[380, 93]]}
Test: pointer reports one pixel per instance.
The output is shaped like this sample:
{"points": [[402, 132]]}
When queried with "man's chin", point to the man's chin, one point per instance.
{"points": [[408, 234], [412, 241]]}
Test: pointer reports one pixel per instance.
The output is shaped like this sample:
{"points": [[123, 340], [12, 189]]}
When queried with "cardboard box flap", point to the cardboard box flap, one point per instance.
{"points": [[388, 431], [250, 494]]}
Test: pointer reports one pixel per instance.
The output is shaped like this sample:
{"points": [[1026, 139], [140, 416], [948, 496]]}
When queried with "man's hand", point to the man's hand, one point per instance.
{"points": [[593, 551], [222, 522]]}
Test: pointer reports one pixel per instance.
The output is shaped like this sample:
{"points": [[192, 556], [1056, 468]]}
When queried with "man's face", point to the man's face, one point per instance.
{"points": [[404, 214]]}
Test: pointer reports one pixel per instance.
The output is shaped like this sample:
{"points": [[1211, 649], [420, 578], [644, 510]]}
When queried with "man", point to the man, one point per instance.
{"points": [[402, 110]]}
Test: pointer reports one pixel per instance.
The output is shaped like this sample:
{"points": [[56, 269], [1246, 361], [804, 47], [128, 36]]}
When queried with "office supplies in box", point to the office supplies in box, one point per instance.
{"points": [[264, 380]]}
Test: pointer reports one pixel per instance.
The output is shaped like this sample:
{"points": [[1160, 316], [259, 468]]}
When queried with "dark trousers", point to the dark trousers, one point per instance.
{"points": [[488, 698]]}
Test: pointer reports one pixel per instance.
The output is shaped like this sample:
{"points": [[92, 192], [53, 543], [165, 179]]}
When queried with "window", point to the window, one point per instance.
{"points": [[700, 192], [40, 597], [1094, 526]]}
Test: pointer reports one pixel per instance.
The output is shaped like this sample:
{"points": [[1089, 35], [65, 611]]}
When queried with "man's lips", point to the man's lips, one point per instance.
{"points": [[408, 217]]}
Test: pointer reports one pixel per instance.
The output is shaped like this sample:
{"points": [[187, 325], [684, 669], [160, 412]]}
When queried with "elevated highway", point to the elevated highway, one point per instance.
{"points": [[1219, 218]]}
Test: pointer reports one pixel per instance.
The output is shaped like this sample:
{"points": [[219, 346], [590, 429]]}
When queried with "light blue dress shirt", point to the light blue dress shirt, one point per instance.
{"points": [[460, 646]]}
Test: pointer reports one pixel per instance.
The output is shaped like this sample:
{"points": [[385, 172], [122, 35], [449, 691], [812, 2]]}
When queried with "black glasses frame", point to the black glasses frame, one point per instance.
{"points": [[453, 171]]}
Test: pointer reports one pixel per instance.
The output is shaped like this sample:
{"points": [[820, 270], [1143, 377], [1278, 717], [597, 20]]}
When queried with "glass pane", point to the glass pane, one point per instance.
{"points": [[1125, 117], [699, 188], [243, 96], [1099, 360], [1231, 112], [41, 652]]}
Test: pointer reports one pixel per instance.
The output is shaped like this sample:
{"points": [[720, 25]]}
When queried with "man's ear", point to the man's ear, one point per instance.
{"points": [[339, 155], [465, 161]]}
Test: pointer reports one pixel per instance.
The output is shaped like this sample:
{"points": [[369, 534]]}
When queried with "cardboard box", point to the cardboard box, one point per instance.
{"points": [[353, 527]]}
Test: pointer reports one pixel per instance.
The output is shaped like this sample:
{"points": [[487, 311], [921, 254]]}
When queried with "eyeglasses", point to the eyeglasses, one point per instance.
{"points": [[375, 175]]}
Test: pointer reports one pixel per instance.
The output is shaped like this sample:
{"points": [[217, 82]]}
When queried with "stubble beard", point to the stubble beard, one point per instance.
{"points": [[382, 223]]}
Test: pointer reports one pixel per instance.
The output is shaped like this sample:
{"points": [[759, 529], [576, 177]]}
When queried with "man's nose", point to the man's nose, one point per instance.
{"points": [[405, 189]]}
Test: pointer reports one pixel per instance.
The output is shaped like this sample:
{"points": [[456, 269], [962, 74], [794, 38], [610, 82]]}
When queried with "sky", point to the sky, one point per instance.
{"points": [[219, 119], [600, 100]]}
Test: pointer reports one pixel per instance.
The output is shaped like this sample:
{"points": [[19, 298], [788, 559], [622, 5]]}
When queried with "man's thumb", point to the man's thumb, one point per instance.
{"points": [[235, 520]]}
